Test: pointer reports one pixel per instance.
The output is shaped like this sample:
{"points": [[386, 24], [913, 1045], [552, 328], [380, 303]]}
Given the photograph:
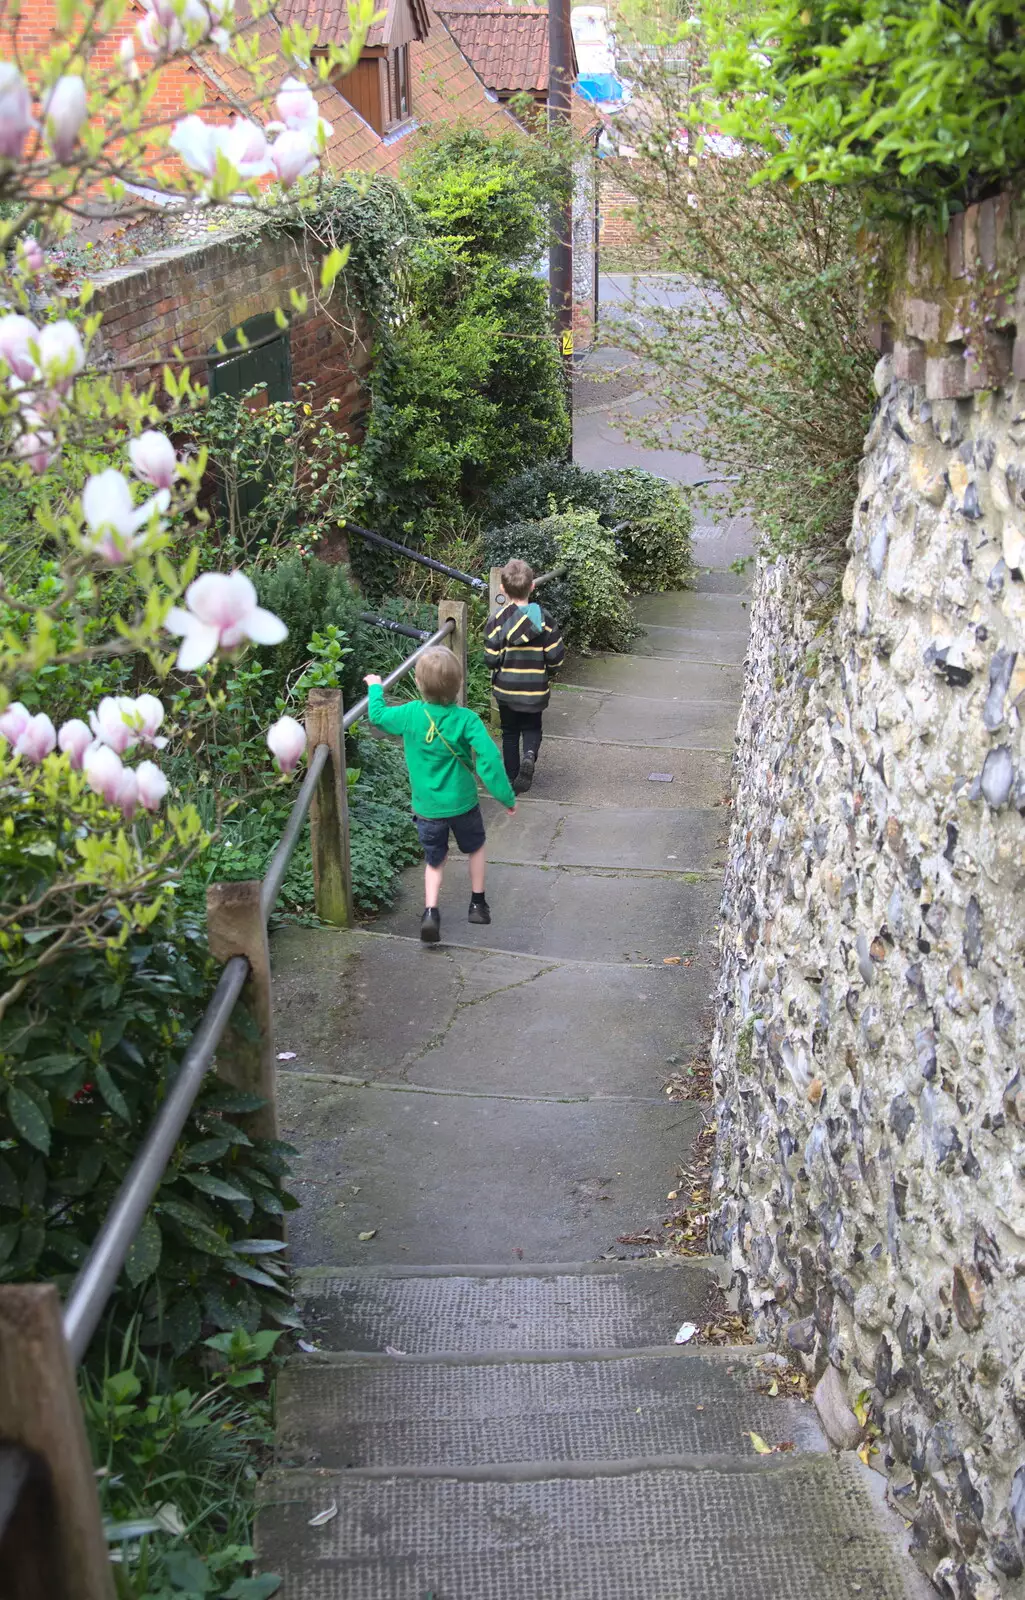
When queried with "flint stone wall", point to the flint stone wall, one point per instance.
{"points": [[869, 1054]]}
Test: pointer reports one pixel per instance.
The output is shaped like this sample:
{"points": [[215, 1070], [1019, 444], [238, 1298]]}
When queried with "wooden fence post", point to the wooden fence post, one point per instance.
{"points": [[236, 927], [495, 595], [455, 610], [40, 1412], [329, 814]]}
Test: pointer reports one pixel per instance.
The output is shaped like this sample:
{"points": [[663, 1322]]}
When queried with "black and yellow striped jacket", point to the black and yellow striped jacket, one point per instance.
{"points": [[522, 657]]}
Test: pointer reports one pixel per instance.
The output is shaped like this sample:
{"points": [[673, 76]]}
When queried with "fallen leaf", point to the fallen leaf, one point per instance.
{"points": [[773, 1389], [760, 1445], [685, 1333], [370, 1234], [390, 1350], [671, 961], [672, 1195], [324, 1516]]}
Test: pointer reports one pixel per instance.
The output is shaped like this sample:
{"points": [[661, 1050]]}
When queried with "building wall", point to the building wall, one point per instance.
{"points": [[870, 1184], [192, 295]]}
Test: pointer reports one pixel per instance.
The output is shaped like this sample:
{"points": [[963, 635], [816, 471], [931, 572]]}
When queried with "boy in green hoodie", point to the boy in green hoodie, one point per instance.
{"points": [[443, 742]]}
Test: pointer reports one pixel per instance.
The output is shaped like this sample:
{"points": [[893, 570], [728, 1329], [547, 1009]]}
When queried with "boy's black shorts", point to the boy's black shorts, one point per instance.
{"points": [[433, 833]]}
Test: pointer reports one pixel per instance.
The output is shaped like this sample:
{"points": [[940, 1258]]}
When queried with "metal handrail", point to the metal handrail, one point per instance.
{"points": [[405, 628], [101, 1269], [415, 555]]}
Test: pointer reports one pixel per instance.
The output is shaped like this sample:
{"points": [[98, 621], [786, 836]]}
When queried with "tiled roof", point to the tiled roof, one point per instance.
{"points": [[331, 17], [508, 45], [445, 89]]}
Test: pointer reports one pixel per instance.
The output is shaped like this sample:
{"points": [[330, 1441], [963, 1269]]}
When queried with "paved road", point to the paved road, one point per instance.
{"points": [[719, 537]]}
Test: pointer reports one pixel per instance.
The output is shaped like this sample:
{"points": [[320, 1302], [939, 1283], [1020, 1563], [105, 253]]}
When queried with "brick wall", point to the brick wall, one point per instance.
{"points": [[190, 296], [616, 214]]}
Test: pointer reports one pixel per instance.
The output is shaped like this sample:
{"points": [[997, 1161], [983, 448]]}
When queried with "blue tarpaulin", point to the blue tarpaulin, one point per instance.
{"points": [[604, 86]]}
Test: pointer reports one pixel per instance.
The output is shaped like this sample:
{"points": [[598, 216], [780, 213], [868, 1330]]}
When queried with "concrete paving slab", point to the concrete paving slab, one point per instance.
{"points": [[454, 1178], [625, 719], [566, 912], [619, 775], [334, 1412], [606, 1306], [766, 1528], [657, 680], [389, 1011], [710, 580], [691, 644], [684, 840], [687, 608]]}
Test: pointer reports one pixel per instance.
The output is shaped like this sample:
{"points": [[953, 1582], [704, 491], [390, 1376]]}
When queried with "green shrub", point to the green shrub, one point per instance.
{"points": [[490, 193], [83, 1073], [916, 105], [600, 617], [652, 517], [654, 523], [310, 596]]}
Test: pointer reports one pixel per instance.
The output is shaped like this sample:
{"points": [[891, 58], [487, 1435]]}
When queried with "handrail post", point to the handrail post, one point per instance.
{"points": [[329, 813], [40, 1411], [454, 611], [236, 927], [494, 595]]}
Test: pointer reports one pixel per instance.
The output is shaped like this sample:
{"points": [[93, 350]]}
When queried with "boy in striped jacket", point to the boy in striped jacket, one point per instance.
{"points": [[524, 649]]}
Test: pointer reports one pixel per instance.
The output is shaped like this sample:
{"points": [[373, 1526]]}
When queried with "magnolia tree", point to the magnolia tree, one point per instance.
{"points": [[113, 501]]}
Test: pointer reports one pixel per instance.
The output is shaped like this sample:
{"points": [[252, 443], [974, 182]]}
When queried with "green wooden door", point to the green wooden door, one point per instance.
{"points": [[266, 362]]}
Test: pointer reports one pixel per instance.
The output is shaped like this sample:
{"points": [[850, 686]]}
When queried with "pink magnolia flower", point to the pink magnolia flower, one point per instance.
{"points": [[64, 112], [103, 771], [126, 56], [61, 354], [296, 104], [286, 741], [294, 155], [112, 516], [14, 721], [152, 785], [149, 714], [114, 722], [74, 739], [16, 121], [222, 614], [153, 459], [36, 739], [127, 796], [31, 255], [39, 449], [197, 144], [245, 146], [16, 334]]}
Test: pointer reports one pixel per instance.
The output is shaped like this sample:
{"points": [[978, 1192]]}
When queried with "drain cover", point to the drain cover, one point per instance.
{"points": [[660, 777]]}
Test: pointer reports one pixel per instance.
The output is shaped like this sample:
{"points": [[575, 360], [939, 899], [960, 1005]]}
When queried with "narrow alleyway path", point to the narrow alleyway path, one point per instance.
{"points": [[498, 1410]]}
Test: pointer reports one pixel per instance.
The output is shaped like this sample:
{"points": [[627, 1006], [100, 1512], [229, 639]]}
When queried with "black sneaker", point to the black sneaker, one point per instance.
{"points": [[430, 925], [525, 777], [480, 912]]}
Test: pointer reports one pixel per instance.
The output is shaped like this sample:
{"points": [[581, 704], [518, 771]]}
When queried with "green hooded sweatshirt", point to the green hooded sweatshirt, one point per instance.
{"points": [[440, 744]]}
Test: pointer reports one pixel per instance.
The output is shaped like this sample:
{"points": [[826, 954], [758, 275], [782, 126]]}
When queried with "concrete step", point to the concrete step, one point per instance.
{"points": [[713, 580], [472, 1311], [698, 1528], [452, 1177], [601, 915], [670, 681], [342, 1411], [629, 719], [692, 644], [689, 839], [697, 610], [482, 1020], [575, 771]]}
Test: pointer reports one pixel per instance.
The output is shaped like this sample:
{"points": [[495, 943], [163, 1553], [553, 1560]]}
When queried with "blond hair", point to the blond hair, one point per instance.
{"points": [[517, 579], [439, 677]]}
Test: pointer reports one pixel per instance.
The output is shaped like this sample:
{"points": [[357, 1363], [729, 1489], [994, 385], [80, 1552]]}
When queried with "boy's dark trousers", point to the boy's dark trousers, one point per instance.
{"points": [[517, 725]]}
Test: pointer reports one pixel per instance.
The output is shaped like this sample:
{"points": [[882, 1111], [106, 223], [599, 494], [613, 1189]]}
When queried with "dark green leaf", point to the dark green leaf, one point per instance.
{"points": [[144, 1256], [205, 1150], [182, 1324], [9, 1192], [258, 1588], [186, 1571], [208, 1184], [111, 1093], [28, 1120]]}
